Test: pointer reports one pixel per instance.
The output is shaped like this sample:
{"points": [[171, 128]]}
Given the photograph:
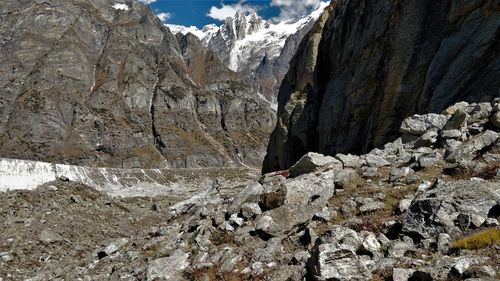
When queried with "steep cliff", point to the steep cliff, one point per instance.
{"points": [[373, 63], [94, 82]]}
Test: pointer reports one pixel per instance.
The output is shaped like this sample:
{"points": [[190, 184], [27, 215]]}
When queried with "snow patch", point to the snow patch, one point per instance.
{"points": [[28, 175], [120, 6]]}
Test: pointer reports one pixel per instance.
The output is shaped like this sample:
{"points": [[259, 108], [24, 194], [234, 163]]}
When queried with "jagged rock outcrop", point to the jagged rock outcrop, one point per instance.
{"points": [[99, 83], [371, 64]]}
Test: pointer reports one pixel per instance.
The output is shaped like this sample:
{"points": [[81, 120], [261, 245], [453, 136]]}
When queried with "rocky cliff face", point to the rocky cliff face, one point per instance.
{"points": [[99, 83], [360, 72]]}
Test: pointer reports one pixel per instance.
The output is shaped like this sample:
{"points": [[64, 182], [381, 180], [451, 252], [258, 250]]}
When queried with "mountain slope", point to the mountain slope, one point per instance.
{"points": [[100, 83], [259, 49], [374, 63]]}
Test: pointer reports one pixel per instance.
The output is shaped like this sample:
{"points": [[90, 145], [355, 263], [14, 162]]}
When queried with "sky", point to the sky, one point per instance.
{"points": [[202, 12]]}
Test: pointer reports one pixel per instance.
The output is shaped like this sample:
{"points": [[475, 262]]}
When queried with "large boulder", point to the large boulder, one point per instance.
{"points": [[469, 149], [418, 125], [312, 162], [451, 207]]}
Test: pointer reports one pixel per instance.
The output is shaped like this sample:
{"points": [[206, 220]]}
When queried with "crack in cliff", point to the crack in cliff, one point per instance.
{"points": [[159, 144], [104, 43]]}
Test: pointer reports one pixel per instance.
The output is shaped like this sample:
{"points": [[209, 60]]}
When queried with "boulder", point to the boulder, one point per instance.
{"points": [[449, 207], [375, 161], [335, 262], [398, 173], [418, 125], [495, 119], [468, 150], [451, 134], [349, 160], [312, 162], [481, 112], [168, 268], [249, 194], [250, 210], [427, 139], [48, 236], [456, 121]]}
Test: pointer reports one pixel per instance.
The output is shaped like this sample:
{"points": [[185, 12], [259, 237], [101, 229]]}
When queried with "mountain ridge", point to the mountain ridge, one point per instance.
{"points": [[258, 49]]}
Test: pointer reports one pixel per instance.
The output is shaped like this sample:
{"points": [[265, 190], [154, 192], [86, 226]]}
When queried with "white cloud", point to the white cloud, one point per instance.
{"points": [[295, 8], [147, 1], [221, 13], [164, 16]]}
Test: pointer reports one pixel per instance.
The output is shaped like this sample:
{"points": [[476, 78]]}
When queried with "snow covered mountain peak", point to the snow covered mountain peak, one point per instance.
{"points": [[260, 49], [244, 40]]}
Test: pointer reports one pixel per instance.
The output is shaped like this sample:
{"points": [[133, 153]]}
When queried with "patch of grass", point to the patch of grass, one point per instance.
{"points": [[478, 240]]}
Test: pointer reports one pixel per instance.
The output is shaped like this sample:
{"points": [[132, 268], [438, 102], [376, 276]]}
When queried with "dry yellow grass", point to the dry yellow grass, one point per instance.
{"points": [[478, 240]]}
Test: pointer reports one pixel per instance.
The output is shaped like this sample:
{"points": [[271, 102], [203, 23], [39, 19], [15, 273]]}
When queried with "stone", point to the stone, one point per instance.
{"points": [[398, 173], [425, 185], [6, 257], [250, 194], [404, 205], [418, 125], [481, 112], [430, 160], [491, 222], [64, 178], [168, 268], [375, 161], [349, 160], [333, 262], [398, 249], [371, 207], [312, 162], [235, 220], [112, 247], [372, 245], [495, 119], [428, 139], [475, 128], [452, 144], [451, 134], [370, 172], [402, 274], [348, 207], [463, 264], [48, 236], [250, 210], [443, 243], [449, 207], [384, 241], [263, 222], [456, 121], [468, 150]]}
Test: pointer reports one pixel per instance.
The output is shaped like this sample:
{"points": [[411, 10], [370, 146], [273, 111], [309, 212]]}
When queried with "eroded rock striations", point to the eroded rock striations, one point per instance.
{"points": [[371, 64], [99, 83]]}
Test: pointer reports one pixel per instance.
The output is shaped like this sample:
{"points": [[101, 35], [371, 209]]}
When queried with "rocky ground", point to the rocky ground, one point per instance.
{"points": [[424, 207]]}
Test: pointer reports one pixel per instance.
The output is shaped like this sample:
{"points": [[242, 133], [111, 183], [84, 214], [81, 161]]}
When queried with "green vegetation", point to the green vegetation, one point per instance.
{"points": [[478, 240]]}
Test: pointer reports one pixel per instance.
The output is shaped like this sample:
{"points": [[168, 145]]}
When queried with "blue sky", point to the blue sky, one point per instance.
{"points": [[202, 12]]}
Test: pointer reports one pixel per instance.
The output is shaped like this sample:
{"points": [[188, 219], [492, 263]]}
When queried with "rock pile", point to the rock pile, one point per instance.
{"points": [[401, 212]]}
